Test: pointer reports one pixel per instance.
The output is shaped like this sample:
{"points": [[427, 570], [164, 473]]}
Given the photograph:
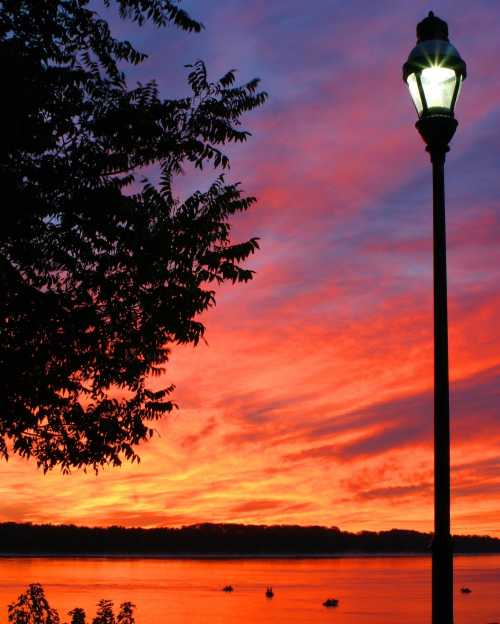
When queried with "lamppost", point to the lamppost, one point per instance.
{"points": [[434, 73]]}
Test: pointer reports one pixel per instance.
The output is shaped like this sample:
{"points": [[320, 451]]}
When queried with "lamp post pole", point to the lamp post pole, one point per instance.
{"points": [[442, 554], [434, 72]]}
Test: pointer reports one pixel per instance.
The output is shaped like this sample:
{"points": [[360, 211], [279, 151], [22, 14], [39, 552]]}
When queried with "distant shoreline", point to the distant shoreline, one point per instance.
{"points": [[231, 557], [223, 541]]}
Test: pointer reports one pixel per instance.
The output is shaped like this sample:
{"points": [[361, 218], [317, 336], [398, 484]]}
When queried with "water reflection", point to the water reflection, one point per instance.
{"points": [[372, 590]]}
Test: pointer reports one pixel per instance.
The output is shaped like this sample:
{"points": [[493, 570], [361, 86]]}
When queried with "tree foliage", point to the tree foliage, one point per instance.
{"points": [[32, 607], [104, 613], [101, 270], [126, 613], [77, 616]]}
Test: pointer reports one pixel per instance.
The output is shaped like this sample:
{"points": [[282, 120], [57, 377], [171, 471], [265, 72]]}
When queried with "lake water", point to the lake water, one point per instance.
{"points": [[371, 590]]}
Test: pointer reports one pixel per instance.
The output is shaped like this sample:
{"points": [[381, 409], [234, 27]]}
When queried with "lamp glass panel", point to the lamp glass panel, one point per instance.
{"points": [[438, 84], [414, 92], [460, 81]]}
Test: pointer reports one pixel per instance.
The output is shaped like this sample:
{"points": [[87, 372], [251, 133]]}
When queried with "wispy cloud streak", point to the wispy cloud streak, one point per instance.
{"points": [[312, 402]]}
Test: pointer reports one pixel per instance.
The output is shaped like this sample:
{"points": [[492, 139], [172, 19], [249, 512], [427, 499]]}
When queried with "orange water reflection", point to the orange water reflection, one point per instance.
{"points": [[371, 590]]}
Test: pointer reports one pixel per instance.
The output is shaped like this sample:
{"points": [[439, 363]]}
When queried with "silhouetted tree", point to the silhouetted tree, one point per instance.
{"points": [[99, 271], [77, 616], [126, 613], [32, 608], [104, 613]]}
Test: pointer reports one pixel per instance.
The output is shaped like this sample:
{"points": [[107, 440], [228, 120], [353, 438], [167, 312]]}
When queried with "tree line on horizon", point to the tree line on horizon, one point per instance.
{"points": [[224, 539]]}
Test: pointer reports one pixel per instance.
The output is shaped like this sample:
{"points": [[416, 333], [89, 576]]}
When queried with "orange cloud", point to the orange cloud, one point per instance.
{"points": [[312, 401]]}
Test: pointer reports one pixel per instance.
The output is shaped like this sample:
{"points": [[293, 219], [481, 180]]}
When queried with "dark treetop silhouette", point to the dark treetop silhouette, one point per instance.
{"points": [[230, 539], [100, 273], [32, 607]]}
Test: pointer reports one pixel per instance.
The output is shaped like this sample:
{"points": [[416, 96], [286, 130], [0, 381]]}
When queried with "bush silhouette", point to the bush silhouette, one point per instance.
{"points": [[126, 614], [105, 613], [77, 616], [32, 607]]}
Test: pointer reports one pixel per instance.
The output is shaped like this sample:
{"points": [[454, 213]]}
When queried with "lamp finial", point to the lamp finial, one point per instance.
{"points": [[432, 28]]}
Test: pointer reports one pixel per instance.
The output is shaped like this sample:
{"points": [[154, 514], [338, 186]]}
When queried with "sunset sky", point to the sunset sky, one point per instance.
{"points": [[312, 401]]}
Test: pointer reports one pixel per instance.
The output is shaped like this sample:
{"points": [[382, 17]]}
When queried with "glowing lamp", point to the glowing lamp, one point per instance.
{"points": [[434, 71]]}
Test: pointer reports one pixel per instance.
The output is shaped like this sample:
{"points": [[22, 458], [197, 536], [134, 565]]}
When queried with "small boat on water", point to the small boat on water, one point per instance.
{"points": [[228, 588], [269, 592], [331, 602], [466, 590]]}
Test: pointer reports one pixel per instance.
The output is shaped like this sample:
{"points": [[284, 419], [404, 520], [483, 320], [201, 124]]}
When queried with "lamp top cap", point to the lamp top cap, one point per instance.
{"points": [[432, 28]]}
